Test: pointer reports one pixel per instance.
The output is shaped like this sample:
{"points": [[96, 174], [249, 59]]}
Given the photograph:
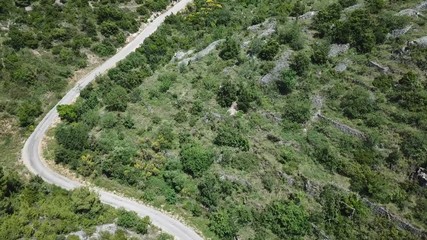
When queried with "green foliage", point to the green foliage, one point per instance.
{"points": [[132, 221], [160, 146], [374, 6], [166, 81], [230, 49], [293, 36], [357, 103], [223, 225], [196, 160], [103, 49], [383, 82], [300, 63], [21, 39], [288, 82], [67, 112], [209, 190], [297, 9], [116, 99], [326, 18], [297, 110], [22, 204], [286, 219], [72, 136], [227, 94], [86, 202], [328, 158], [347, 3], [410, 93], [245, 161], [269, 50], [232, 137], [243, 95], [320, 53], [28, 111]]}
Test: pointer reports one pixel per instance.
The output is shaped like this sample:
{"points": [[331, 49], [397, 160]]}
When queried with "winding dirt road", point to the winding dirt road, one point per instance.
{"points": [[32, 151]]}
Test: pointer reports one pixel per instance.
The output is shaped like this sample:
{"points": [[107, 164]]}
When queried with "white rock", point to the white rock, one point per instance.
{"points": [[337, 49]]}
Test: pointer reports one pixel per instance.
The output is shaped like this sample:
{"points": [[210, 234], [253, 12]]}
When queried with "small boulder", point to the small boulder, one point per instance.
{"points": [[337, 49]]}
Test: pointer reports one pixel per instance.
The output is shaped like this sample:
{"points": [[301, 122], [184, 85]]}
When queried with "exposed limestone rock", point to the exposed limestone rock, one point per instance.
{"points": [[308, 15], [421, 176], [181, 54], [344, 128], [233, 109], [422, 6], [380, 67], [352, 8], [420, 42], [337, 49], [341, 67], [281, 64], [58, 2], [409, 12], [264, 29], [202, 53], [399, 32]]}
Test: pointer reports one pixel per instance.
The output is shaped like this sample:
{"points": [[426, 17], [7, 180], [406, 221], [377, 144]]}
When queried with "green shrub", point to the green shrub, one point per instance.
{"points": [[297, 110], [67, 112], [292, 35], [286, 219], [230, 49], [227, 93], [287, 82], [300, 63], [116, 99], [383, 82], [223, 224], [231, 136], [28, 111], [132, 221], [320, 52], [269, 50], [196, 159], [347, 3], [357, 103]]}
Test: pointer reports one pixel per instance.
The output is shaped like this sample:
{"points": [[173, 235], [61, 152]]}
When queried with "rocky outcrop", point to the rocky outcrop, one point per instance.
{"points": [[340, 67], [281, 64], [399, 32], [344, 128], [264, 29], [420, 42], [383, 69], [401, 223], [200, 54], [409, 12], [422, 6], [338, 49], [308, 15]]}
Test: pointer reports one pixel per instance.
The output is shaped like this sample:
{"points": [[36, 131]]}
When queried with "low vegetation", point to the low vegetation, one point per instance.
{"points": [[312, 152]]}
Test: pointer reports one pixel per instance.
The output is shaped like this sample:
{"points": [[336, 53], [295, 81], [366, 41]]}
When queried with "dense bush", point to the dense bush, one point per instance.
{"points": [[116, 99], [132, 221], [297, 110], [286, 219], [196, 160], [28, 111], [300, 63], [357, 103], [269, 51], [230, 49], [232, 137]]}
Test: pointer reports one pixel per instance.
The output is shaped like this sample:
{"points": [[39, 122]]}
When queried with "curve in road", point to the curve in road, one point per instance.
{"points": [[32, 151]]}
